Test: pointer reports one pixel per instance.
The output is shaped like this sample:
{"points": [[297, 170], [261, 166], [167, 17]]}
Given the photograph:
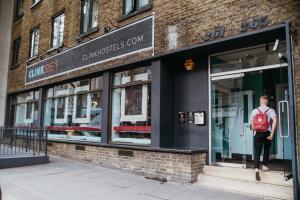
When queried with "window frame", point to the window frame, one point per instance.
{"points": [[31, 51], [62, 12], [15, 53], [144, 84], [89, 28]]}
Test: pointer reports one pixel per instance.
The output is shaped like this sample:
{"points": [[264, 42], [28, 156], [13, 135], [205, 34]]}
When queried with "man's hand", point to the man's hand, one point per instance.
{"points": [[270, 137]]}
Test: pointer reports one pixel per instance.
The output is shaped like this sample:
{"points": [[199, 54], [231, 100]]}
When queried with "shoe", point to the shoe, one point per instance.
{"points": [[264, 168], [257, 177]]}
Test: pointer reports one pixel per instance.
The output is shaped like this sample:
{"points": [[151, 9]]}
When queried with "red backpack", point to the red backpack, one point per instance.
{"points": [[260, 121]]}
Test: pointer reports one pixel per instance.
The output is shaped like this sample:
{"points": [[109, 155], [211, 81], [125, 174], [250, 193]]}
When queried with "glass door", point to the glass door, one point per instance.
{"points": [[231, 109], [284, 138]]}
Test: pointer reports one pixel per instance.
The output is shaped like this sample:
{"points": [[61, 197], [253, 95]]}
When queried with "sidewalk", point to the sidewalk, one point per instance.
{"points": [[64, 179]]}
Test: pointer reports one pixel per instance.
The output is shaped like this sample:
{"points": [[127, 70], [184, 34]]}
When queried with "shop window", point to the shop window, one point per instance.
{"points": [[15, 53], [131, 106], [18, 9], [73, 111], [26, 109], [34, 42], [58, 24], [89, 15], [133, 5]]}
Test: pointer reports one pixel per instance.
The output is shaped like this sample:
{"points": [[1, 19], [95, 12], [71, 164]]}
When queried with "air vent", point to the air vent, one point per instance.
{"points": [[126, 153], [80, 147]]}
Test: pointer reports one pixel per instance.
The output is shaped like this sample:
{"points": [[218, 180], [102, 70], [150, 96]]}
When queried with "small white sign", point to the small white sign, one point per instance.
{"points": [[199, 118]]}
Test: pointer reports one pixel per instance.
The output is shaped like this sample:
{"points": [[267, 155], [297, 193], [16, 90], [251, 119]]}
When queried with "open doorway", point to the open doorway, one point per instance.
{"points": [[237, 81]]}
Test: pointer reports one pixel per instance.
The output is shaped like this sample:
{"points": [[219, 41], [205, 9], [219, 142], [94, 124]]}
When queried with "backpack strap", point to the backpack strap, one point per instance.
{"points": [[267, 110], [264, 112], [258, 110]]}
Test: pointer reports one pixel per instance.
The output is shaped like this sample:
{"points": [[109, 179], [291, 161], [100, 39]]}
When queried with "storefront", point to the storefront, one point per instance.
{"points": [[157, 105]]}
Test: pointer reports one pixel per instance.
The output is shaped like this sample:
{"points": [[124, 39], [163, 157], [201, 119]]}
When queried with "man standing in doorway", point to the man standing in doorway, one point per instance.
{"points": [[264, 122]]}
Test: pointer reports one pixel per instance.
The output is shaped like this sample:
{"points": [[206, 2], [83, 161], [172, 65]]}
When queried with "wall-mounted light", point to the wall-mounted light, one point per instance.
{"points": [[189, 64]]}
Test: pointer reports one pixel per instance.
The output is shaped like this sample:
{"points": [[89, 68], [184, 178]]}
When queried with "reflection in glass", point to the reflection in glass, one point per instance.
{"points": [[81, 106], [60, 108], [248, 58], [133, 100]]}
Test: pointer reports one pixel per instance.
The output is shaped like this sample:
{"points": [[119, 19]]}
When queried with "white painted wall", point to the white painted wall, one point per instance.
{"points": [[6, 18]]}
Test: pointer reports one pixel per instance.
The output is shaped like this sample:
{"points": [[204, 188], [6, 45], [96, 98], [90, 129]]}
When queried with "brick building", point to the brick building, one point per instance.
{"points": [[157, 87]]}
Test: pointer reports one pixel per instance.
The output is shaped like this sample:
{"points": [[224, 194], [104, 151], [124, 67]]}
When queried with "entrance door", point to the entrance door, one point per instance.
{"points": [[232, 140]]}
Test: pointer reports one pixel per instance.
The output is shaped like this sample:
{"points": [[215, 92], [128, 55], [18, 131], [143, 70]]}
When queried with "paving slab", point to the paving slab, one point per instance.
{"points": [[71, 180]]}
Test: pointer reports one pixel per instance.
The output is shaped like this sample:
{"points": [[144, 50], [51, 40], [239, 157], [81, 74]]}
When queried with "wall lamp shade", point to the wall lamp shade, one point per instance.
{"points": [[189, 64]]}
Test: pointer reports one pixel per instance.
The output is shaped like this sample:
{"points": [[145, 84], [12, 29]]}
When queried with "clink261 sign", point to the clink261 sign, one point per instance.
{"points": [[129, 39]]}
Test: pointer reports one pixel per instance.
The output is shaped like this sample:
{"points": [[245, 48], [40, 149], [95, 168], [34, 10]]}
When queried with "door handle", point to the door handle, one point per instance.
{"points": [[241, 117], [280, 110]]}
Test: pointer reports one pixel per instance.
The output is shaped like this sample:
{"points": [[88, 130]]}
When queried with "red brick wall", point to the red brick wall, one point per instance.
{"points": [[158, 165]]}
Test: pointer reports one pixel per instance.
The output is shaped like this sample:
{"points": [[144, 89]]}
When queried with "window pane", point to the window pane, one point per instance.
{"points": [[97, 83], [64, 89], [60, 113], [20, 115], [26, 113], [96, 109], [36, 94], [16, 49], [74, 117], [36, 42], [81, 106], [143, 3], [133, 100], [35, 35], [243, 59], [58, 31], [128, 7], [85, 15], [49, 92], [81, 86], [94, 14], [22, 98], [142, 74], [19, 8], [29, 111], [122, 78]]}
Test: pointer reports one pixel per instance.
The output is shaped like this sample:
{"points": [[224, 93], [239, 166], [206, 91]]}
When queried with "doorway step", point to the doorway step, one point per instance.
{"points": [[272, 184]]}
